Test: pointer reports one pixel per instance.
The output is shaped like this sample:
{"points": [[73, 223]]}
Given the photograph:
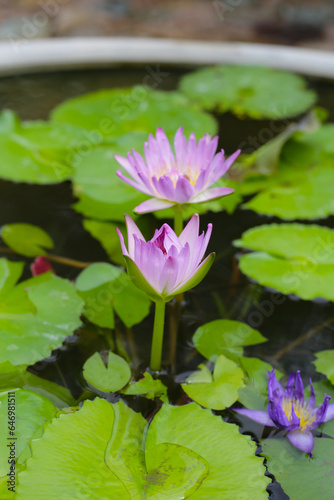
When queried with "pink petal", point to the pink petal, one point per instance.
{"points": [[184, 190], [259, 416], [168, 275], [165, 149], [121, 239], [302, 440], [222, 169], [132, 183], [180, 146], [164, 187], [190, 232], [152, 205], [132, 230], [125, 163], [211, 194]]}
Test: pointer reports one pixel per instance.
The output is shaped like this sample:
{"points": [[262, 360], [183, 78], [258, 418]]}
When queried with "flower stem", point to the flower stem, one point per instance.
{"points": [[158, 334], [178, 221]]}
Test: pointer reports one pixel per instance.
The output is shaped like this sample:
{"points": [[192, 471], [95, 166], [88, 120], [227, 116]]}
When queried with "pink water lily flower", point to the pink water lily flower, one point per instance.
{"points": [[167, 264], [183, 177]]}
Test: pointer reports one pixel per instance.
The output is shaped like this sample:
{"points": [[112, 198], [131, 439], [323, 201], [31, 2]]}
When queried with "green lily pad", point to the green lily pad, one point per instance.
{"points": [[74, 447], [36, 316], [226, 337], [14, 377], [257, 92], [301, 477], [199, 430], [110, 378], [26, 239], [106, 451], [111, 113], [36, 410], [148, 386], [107, 289], [37, 152], [105, 233], [325, 363], [307, 196], [218, 390], [291, 258]]}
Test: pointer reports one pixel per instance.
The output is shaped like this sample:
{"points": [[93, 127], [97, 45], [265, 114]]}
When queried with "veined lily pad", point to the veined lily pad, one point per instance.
{"points": [[301, 477], [112, 113], [325, 363], [224, 336], [106, 450], [37, 152], [110, 378], [258, 92], [37, 410], [106, 288], [26, 239], [218, 390], [292, 258], [36, 316], [307, 196]]}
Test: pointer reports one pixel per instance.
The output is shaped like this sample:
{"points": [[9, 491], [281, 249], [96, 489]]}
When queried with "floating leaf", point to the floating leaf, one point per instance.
{"points": [[36, 410], [100, 449], [200, 431], [110, 378], [148, 386], [26, 239], [216, 391], [111, 113], [226, 337], [13, 377], [301, 477], [37, 152], [291, 258], [105, 289], [325, 364], [73, 447], [105, 233], [36, 316], [258, 92], [307, 196]]}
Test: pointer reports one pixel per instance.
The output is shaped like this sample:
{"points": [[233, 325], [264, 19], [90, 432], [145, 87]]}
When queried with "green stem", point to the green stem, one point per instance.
{"points": [[158, 334], [178, 221]]}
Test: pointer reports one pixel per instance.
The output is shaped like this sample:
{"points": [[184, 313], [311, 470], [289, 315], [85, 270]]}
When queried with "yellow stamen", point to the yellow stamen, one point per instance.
{"points": [[302, 410]]}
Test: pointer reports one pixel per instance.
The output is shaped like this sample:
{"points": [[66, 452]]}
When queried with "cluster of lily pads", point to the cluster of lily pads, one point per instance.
{"points": [[98, 446]]}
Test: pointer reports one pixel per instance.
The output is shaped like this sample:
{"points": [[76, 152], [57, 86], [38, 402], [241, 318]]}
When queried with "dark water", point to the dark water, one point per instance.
{"points": [[225, 293]]}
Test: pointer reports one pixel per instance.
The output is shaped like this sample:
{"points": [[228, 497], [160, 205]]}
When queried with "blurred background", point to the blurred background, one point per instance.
{"points": [[305, 23]]}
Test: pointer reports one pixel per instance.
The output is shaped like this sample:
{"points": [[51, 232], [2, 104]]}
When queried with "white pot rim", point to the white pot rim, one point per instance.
{"points": [[19, 56]]}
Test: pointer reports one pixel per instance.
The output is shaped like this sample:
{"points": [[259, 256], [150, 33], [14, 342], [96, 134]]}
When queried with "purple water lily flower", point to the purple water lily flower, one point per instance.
{"points": [[167, 264], [176, 179], [289, 410]]}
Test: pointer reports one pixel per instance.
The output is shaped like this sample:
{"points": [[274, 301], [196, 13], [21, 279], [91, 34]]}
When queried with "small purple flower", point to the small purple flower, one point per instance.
{"points": [[176, 179], [167, 264], [289, 410]]}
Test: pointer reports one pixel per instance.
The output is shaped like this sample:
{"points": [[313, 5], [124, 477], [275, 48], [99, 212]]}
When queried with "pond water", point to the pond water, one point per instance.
{"points": [[295, 328]]}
